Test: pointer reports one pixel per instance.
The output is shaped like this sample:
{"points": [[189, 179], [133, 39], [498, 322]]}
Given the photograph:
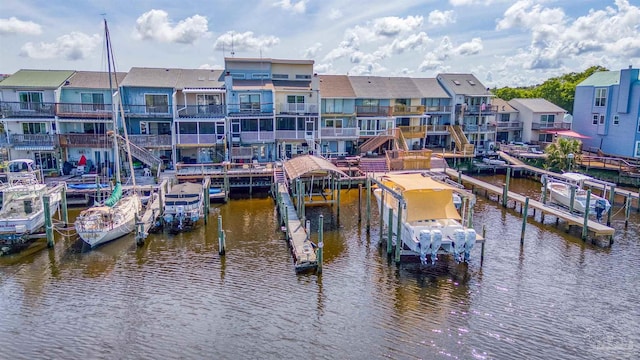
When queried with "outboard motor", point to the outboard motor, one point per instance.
{"points": [[425, 245], [600, 207], [436, 241], [459, 236], [470, 241]]}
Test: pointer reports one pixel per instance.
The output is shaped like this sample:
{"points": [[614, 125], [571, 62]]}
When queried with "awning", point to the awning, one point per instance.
{"points": [[567, 133], [202, 90]]}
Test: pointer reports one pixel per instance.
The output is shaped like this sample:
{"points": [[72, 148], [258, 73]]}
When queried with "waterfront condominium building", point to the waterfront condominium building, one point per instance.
{"points": [[541, 119]]}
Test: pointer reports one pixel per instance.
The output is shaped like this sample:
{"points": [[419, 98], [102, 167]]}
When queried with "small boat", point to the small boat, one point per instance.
{"points": [[183, 207], [430, 222], [560, 193], [490, 161], [22, 212]]}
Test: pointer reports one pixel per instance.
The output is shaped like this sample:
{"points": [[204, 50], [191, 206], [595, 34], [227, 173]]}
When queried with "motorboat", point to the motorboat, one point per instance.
{"points": [[431, 225], [22, 210], [183, 207], [490, 161], [560, 189]]}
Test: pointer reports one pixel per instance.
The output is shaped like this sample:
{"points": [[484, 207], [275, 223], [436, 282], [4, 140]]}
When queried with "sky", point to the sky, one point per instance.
{"points": [[501, 42]]}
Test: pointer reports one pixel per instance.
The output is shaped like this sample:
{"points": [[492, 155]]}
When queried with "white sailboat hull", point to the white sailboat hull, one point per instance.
{"points": [[100, 225]]}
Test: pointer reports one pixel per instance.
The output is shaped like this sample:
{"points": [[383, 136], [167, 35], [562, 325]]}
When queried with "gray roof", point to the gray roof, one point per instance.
{"points": [[94, 80], [200, 78], [336, 87], [430, 88], [39, 79], [152, 77], [503, 106], [464, 84], [537, 105], [382, 87], [602, 78]]}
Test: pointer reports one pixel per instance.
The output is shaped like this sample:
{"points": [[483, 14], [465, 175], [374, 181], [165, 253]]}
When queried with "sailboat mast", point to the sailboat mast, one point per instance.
{"points": [[116, 155]]}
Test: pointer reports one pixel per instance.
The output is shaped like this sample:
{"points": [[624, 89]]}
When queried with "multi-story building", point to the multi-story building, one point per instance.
{"points": [[339, 131], [607, 110], [27, 103], [541, 119], [507, 122], [437, 111]]}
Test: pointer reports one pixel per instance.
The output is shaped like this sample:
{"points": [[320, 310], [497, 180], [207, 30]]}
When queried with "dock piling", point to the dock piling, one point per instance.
{"points": [[484, 236], [572, 199], [524, 220], [381, 214], [586, 216], [359, 203], [64, 210], [505, 189], [221, 237], [320, 244], [390, 232], [399, 232], [368, 204], [47, 220], [612, 200], [627, 211]]}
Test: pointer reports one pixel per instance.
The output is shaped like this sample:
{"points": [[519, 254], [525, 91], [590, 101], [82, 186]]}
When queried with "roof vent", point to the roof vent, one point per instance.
{"points": [[471, 82], [456, 82], [201, 78]]}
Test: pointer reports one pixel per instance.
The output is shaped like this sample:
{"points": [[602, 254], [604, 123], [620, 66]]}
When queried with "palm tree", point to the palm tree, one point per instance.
{"points": [[562, 153]]}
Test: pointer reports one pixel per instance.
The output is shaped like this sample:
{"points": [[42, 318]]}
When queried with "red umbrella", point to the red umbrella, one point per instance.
{"points": [[83, 160]]}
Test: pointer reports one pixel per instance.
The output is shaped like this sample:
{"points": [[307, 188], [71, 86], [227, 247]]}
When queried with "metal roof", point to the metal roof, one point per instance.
{"points": [[93, 80], [537, 105], [41, 79], [381, 87], [308, 165], [503, 106], [602, 78]]}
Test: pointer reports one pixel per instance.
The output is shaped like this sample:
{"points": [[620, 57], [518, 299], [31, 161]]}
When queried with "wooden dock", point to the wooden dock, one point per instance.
{"points": [[597, 232], [302, 248]]}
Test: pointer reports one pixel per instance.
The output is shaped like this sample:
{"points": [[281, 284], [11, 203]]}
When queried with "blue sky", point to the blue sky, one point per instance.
{"points": [[517, 42]]}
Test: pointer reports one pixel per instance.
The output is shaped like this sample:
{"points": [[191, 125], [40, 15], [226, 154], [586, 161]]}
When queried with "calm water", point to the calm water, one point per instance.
{"points": [[554, 298]]}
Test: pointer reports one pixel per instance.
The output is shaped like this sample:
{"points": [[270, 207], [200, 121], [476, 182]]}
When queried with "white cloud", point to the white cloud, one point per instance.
{"points": [[472, 47], [437, 17], [155, 25], [473, 2], [73, 46], [312, 51], [296, 7], [245, 41], [335, 14], [13, 25], [400, 45], [211, 67], [393, 26]]}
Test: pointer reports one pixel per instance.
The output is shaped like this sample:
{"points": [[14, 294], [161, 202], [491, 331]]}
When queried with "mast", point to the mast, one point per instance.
{"points": [[116, 155]]}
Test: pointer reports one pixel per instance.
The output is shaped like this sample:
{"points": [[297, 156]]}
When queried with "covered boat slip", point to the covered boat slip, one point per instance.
{"points": [[184, 194]]}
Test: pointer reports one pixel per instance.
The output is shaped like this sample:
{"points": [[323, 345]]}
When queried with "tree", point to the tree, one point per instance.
{"points": [[558, 153]]}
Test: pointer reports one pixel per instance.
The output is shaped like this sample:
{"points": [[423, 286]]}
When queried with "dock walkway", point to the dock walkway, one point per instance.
{"points": [[596, 229], [302, 249]]}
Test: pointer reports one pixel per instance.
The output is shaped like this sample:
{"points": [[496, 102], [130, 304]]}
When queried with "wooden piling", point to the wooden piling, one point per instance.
{"points": [[572, 199], [381, 214], [47, 220], [64, 210], [338, 203], [505, 189], [612, 200], [484, 236], [390, 232], [221, 237], [359, 203], [399, 232], [544, 192], [586, 216], [307, 227], [320, 244], [524, 220], [627, 211], [368, 205]]}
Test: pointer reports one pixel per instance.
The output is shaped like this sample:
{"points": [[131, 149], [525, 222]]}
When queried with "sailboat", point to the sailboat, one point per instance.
{"points": [[116, 216]]}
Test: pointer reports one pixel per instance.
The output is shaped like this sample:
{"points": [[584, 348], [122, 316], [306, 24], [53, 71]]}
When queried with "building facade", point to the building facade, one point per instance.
{"points": [[540, 119]]}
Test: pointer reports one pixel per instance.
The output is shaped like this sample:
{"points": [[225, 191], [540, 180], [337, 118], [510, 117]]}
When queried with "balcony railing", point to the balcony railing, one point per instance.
{"points": [[148, 111], [400, 109], [373, 132], [470, 128], [250, 109], [549, 125], [438, 109], [290, 134], [443, 129], [27, 109], [339, 133], [86, 140], [303, 108], [505, 125], [256, 136], [69, 110], [151, 141], [202, 111], [204, 139], [476, 109], [412, 132], [373, 110], [33, 140]]}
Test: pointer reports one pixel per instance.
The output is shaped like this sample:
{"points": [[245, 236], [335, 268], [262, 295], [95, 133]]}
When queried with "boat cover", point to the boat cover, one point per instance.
{"points": [[115, 196]]}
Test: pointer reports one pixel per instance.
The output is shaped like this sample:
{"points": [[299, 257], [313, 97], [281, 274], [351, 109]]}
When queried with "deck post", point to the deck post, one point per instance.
{"points": [[63, 200], [307, 227], [399, 244], [505, 188], [585, 229], [544, 191], [207, 199], [359, 203], [368, 204], [627, 210], [285, 217], [484, 236], [47, 220], [390, 232], [302, 201], [320, 244], [573, 198], [221, 239], [227, 186], [524, 219], [612, 200], [338, 204], [459, 177], [381, 215]]}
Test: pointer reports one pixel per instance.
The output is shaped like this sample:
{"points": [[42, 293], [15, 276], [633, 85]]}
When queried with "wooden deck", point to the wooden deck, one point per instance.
{"points": [[596, 230], [302, 249]]}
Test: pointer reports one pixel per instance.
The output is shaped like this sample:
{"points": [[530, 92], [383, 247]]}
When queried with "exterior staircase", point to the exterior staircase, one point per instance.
{"points": [[141, 154], [462, 143], [278, 175], [375, 142], [377, 165]]}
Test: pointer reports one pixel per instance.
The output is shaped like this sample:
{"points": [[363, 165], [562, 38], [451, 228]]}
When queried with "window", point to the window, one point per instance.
{"points": [[285, 123], [92, 101], [237, 75], [207, 128], [333, 123], [595, 119], [94, 128], [601, 119], [601, 97], [207, 103], [548, 118], [545, 137], [637, 152], [250, 103], [188, 128], [295, 99], [30, 100], [333, 106], [260, 76], [266, 125], [616, 120], [370, 102], [280, 76], [34, 128], [303, 77], [249, 125], [157, 103], [505, 117]]}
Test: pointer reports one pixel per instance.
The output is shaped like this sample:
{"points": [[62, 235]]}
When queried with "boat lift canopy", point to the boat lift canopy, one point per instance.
{"points": [[309, 165]]}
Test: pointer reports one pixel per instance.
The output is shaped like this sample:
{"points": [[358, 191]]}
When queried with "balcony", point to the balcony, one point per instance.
{"points": [[400, 109], [156, 111], [86, 140], [94, 111], [151, 141], [199, 139], [250, 110], [413, 132], [290, 134], [507, 126], [476, 109], [202, 111], [437, 129], [26, 109], [548, 125], [302, 108], [34, 140], [368, 110], [339, 133], [437, 109], [255, 136]]}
